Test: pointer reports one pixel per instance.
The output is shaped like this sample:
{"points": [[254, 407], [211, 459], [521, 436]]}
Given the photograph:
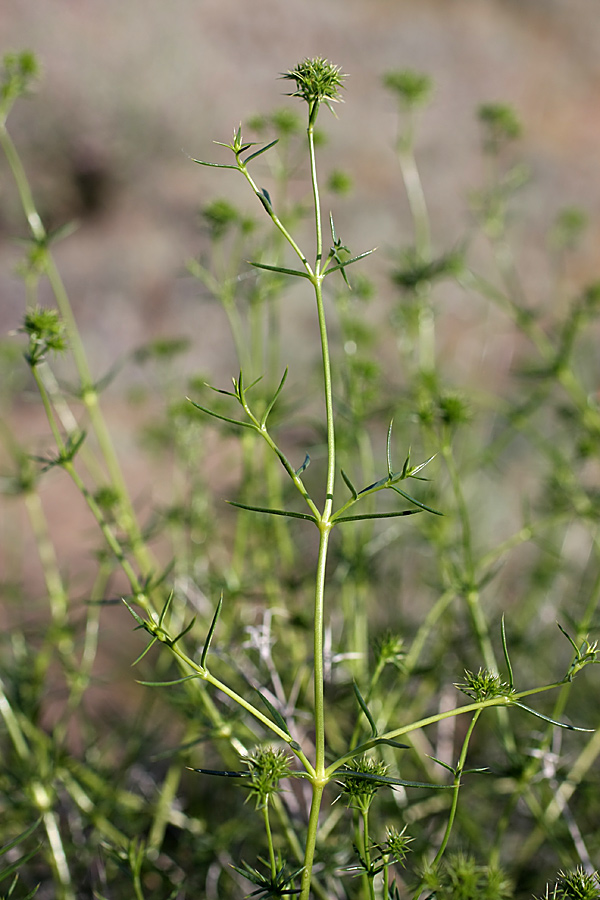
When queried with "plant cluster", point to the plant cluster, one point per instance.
{"points": [[303, 676]]}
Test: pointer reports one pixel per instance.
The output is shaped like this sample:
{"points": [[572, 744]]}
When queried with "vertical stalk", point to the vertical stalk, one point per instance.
{"points": [[325, 525]]}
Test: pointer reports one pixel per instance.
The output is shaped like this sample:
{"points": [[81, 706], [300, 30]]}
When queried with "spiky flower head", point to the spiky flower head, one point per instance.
{"points": [[360, 789], [397, 845], [317, 81], [484, 685], [389, 648], [46, 332], [574, 885], [267, 766]]}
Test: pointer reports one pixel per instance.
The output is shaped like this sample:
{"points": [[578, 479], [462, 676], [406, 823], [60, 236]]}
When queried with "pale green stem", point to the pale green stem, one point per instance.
{"points": [[311, 839], [367, 853], [456, 790], [205, 675], [431, 720], [272, 860], [316, 198]]}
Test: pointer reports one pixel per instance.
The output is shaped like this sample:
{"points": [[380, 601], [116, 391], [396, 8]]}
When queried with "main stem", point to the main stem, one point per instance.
{"points": [[319, 780]]}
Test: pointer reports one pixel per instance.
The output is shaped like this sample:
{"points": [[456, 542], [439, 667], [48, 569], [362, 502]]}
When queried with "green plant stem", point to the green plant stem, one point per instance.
{"points": [[367, 853], [472, 595], [207, 676], [311, 838], [457, 779], [272, 859], [437, 717]]}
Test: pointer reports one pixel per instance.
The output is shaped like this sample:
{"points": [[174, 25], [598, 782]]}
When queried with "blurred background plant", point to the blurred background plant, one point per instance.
{"points": [[516, 476]]}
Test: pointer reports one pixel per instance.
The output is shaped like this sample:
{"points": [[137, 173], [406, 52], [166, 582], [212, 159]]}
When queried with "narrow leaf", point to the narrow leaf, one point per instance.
{"points": [[304, 465], [570, 640], [444, 765], [506, 656], [331, 225], [548, 719], [259, 152], [222, 418], [223, 773], [388, 449], [19, 838], [376, 484], [211, 631], [165, 608], [389, 743], [385, 515], [202, 162], [349, 485], [169, 683], [418, 503], [143, 653], [349, 262], [272, 512], [365, 709], [279, 720], [15, 866], [405, 467], [280, 269], [267, 411], [384, 779], [413, 472], [137, 618], [184, 632]]}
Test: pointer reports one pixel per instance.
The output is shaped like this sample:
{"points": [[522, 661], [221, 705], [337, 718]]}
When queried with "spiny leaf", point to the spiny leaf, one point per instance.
{"points": [[384, 515], [506, 656], [143, 653], [440, 762], [12, 869], [279, 720], [272, 512], [184, 632], [202, 162], [137, 618], [19, 838], [349, 262], [169, 683], [304, 465], [267, 411], [388, 449], [259, 152], [280, 269], [384, 779], [418, 503], [211, 632], [388, 742], [223, 773], [349, 485], [165, 608], [365, 709], [569, 638], [548, 719], [216, 415]]}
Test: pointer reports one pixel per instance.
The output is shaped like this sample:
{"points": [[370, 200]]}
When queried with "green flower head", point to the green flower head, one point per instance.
{"points": [[317, 81]]}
